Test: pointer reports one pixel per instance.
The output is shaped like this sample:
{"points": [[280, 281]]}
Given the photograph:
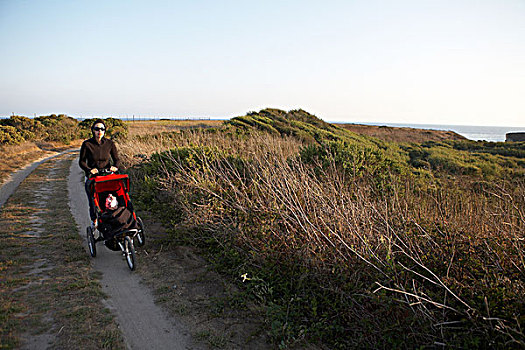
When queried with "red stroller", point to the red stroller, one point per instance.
{"points": [[115, 237]]}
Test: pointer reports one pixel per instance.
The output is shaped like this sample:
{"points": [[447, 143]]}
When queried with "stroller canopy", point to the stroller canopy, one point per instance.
{"points": [[113, 182]]}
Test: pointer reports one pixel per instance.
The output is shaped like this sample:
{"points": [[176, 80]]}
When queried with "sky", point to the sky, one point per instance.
{"points": [[459, 62]]}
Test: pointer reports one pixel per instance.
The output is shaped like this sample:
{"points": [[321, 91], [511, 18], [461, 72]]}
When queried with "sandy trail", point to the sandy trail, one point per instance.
{"points": [[143, 324], [11, 184]]}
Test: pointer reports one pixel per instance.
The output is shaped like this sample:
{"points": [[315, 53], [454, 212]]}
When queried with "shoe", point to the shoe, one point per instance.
{"points": [[94, 228], [96, 234]]}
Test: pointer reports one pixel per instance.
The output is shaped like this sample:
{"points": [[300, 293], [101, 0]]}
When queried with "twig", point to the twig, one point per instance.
{"points": [[439, 305]]}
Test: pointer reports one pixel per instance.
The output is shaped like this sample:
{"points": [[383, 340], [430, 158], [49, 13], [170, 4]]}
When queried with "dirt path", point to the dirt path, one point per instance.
{"points": [[143, 324], [11, 183], [50, 297], [53, 295]]}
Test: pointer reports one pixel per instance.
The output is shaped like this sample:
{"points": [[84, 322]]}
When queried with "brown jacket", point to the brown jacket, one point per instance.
{"points": [[97, 155]]}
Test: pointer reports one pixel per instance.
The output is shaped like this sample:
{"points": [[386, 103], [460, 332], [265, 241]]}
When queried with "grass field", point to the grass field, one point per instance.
{"points": [[402, 135], [149, 127], [18, 155], [346, 239]]}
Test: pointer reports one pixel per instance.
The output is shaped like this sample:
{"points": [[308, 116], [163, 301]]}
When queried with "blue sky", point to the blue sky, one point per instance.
{"points": [[446, 62]]}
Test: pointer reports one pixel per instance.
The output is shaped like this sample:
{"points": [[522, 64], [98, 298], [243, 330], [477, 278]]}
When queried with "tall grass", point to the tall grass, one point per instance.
{"points": [[151, 127], [337, 258]]}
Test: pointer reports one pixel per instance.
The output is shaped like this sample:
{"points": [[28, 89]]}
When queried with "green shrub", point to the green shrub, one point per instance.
{"points": [[507, 149], [356, 161], [30, 129], [443, 159], [468, 159], [10, 135], [116, 128], [59, 128], [300, 227]]}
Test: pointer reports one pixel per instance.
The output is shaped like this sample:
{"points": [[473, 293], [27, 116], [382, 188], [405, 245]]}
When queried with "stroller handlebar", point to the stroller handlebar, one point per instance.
{"points": [[103, 172]]}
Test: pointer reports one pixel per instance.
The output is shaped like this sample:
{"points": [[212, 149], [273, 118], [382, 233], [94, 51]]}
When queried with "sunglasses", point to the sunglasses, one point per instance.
{"points": [[99, 129]]}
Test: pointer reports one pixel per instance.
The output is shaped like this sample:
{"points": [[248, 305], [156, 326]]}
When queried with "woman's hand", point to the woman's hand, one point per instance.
{"points": [[113, 169], [94, 171]]}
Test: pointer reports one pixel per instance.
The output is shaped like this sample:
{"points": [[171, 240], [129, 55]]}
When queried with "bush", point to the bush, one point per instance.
{"points": [[10, 135], [346, 240], [30, 129], [445, 159], [116, 128], [59, 128]]}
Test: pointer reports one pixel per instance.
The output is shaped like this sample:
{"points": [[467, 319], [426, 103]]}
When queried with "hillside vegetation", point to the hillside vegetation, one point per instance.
{"points": [[58, 128], [148, 127], [24, 140], [402, 134], [346, 239], [18, 129]]}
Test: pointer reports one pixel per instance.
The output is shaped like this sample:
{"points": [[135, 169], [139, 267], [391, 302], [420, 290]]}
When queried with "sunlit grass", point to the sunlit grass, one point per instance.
{"points": [[344, 236]]}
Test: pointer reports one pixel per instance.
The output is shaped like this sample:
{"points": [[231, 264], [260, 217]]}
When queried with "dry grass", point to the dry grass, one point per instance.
{"points": [[451, 252], [15, 157], [135, 150], [151, 127], [405, 135]]}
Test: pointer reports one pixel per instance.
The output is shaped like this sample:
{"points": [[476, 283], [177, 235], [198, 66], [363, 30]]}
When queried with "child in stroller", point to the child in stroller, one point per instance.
{"points": [[115, 218], [118, 223]]}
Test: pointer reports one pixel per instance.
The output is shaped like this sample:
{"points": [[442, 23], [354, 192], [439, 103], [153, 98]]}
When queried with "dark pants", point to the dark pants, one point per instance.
{"points": [[90, 200]]}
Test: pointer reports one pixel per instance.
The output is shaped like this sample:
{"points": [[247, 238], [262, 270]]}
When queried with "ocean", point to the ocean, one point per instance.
{"points": [[471, 132]]}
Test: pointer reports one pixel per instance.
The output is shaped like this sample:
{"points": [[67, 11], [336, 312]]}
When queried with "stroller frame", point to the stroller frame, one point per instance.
{"points": [[118, 185]]}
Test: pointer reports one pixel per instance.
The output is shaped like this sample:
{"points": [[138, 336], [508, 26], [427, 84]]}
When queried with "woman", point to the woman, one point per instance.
{"points": [[95, 154]]}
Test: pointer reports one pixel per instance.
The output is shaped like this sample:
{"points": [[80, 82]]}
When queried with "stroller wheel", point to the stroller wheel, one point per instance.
{"points": [[141, 235], [129, 252], [91, 242]]}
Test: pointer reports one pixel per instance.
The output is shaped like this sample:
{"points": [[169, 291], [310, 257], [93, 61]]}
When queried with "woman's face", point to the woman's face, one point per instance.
{"points": [[98, 130]]}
